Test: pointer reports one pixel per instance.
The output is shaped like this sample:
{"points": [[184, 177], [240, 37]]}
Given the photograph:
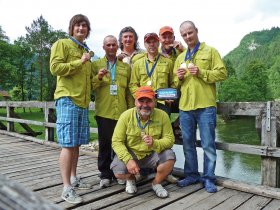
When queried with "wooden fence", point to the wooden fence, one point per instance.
{"points": [[267, 115]]}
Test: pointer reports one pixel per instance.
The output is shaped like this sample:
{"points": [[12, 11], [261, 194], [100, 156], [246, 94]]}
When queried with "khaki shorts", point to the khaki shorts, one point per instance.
{"points": [[148, 163]]}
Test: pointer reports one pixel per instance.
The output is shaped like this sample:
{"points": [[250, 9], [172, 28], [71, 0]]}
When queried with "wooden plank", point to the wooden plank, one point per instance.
{"points": [[213, 199], [273, 205], [270, 166], [256, 202], [234, 201]]}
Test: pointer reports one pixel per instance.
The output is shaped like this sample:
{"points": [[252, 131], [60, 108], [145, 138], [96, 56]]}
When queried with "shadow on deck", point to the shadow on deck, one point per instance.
{"points": [[35, 167]]}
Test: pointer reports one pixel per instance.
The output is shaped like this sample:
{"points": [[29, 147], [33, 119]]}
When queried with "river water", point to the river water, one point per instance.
{"points": [[232, 165]]}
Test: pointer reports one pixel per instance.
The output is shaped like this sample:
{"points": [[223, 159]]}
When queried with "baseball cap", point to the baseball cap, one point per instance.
{"points": [[166, 29], [145, 91], [150, 35]]}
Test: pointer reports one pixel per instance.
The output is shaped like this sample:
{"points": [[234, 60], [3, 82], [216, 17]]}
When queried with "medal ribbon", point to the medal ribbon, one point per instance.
{"points": [[80, 44], [112, 69], [172, 49], [149, 73], [190, 54], [139, 123]]}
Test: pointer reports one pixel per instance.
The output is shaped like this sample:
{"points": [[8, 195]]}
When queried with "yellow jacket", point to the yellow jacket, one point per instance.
{"points": [[127, 135], [106, 105], [200, 91], [73, 78], [161, 78]]}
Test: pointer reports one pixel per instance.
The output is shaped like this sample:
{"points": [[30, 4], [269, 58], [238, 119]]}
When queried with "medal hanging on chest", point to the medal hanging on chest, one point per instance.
{"points": [[143, 133], [150, 73]]}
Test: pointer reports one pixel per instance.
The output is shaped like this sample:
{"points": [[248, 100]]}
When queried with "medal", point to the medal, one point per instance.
{"points": [[149, 83], [190, 65], [183, 65], [142, 133], [91, 53], [126, 60]]}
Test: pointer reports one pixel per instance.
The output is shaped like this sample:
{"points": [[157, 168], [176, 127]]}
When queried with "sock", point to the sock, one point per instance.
{"points": [[65, 188], [73, 179]]}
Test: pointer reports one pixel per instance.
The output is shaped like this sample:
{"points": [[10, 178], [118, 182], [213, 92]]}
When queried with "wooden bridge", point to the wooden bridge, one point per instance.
{"points": [[30, 175]]}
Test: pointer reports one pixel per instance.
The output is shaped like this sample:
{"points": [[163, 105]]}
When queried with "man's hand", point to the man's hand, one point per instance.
{"points": [[102, 73], [85, 57], [178, 45], [148, 140], [181, 73], [133, 167], [193, 69]]}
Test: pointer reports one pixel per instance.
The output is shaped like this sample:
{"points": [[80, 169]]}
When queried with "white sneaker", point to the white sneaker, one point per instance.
{"points": [[121, 181], [160, 191], [105, 183], [171, 179], [70, 196], [130, 186], [79, 184]]}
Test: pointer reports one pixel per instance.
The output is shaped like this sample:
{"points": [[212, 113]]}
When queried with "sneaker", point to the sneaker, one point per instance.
{"points": [[140, 177], [105, 183], [70, 196], [209, 186], [79, 184], [121, 181], [130, 186], [171, 179], [160, 191], [188, 181]]}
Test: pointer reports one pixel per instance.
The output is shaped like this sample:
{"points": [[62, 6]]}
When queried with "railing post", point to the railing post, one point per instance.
{"points": [[10, 112], [269, 166], [49, 132]]}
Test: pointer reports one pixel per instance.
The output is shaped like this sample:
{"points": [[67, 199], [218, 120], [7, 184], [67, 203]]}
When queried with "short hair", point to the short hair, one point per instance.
{"points": [[188, 22], [128, 29], [109, 36], [76, 20]]}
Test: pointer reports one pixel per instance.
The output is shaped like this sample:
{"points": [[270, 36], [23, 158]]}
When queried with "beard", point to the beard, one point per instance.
{"points": [[144, 111]]}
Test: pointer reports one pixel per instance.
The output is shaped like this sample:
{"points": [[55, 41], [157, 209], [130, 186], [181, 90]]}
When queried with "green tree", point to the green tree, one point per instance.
{"points": [[40, 37], [233, 90], [256, 78], [3, 36]]}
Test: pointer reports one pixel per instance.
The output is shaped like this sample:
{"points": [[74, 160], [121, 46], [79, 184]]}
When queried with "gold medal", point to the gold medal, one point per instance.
{"points": [[91, 53], [149, 83]]}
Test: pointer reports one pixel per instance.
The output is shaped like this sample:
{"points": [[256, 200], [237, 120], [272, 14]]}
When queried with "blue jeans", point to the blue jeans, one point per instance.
{"points": [[206, 120]]}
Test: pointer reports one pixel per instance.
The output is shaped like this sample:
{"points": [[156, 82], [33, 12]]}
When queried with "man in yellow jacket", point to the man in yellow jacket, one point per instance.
{"points": [[70, 63], [152, 69], [196, 72], [143, 139], [112, 97]]}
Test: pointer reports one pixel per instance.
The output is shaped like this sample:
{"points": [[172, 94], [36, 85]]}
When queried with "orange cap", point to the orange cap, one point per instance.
{"points": [[151, 35], [166, 29], [145, 92]]}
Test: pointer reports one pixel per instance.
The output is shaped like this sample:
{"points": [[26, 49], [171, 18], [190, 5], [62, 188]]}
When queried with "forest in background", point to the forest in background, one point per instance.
{"points": [[253, 67]]}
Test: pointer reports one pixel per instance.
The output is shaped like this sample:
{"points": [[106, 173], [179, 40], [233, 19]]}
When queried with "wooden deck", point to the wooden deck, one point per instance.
{"points": [[35, 166]]}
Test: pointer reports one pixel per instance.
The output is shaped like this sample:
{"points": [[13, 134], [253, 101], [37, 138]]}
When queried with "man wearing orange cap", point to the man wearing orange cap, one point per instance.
{"points": [[143, 139], [169, 47], [152, 69]]}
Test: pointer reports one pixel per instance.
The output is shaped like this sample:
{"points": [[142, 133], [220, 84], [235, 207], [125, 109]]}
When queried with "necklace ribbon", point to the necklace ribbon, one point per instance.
{"points": [[189, 54], [83, 45], [149, 73], [139, 123], [112, 69]]}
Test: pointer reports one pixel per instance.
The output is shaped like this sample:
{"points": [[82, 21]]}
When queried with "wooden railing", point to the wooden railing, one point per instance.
{"points": [[267, 116]]}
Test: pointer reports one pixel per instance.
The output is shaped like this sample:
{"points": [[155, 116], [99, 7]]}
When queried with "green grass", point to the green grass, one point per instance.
{"points": [[36, 114]]}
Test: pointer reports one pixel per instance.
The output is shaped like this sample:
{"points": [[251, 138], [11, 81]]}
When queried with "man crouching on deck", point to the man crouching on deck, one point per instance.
{"points": [[142, 139]]}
